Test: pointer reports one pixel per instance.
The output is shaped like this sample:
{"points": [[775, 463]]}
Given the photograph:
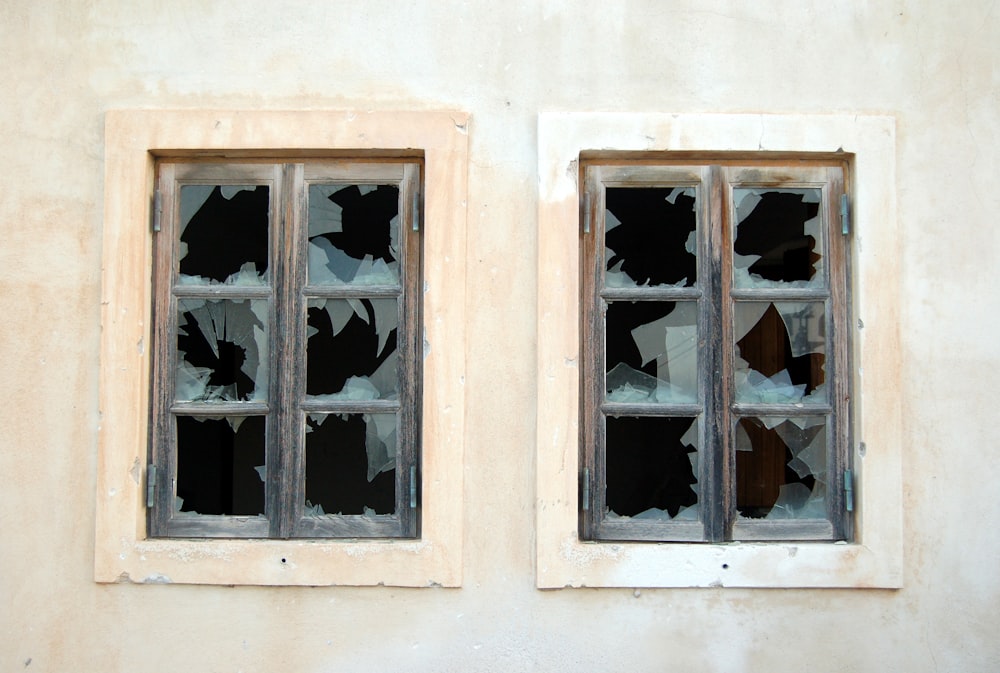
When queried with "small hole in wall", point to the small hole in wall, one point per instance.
{"points": [[725, 566], [283, 561]]}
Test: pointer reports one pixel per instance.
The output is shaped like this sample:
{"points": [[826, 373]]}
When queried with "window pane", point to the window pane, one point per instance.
{"points": [[223, 234], [781, 467], [650, 238], [221, 350], [351, 349], [353, 234], [778, 240], [780, 352], [652, 467], [350, 464], [652, 352], [220, 465]]}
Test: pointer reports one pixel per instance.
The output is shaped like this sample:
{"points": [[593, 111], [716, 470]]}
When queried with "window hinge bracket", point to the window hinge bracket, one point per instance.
{"points": [[848, 490], [586, 214], [157, 209], [845, 215], [586, 489], [150, 486], [416, 210], [413, 487]]}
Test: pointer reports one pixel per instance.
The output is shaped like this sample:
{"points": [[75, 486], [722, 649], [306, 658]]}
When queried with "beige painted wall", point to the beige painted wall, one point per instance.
{"points": [[931, 65]]}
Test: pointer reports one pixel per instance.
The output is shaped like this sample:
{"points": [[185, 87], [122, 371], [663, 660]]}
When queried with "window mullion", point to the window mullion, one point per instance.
{"points": [[716, 315], [284, 437]]}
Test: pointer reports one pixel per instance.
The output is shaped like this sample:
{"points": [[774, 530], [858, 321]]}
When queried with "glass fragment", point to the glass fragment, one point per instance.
{"points": [[647, 234], [221, 350], [778, 239], [220, 465], [652, 352], [780, 352], [224, 234], [353, 234], [351, 463]]}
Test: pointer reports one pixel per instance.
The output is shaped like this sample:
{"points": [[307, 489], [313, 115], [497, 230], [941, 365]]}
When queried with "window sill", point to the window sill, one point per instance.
{"points": [[122, 551]]}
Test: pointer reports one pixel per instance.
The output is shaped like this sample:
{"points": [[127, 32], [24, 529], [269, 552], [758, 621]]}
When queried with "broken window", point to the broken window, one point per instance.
{"points": [[287, 337], [715, 344]]}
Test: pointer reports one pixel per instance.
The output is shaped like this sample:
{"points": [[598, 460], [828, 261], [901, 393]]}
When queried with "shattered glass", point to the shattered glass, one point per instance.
{"points": [[353, 234], [224, 234], [652, 352], [351, 349], [350, 463], [220, 463], [778, 238], [781, 469], [780, 352], [221, 350], [652, 467], [650, 237]]}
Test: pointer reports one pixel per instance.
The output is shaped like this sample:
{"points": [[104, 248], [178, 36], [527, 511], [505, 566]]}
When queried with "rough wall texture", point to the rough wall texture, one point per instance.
{"points": [[933, 65]]}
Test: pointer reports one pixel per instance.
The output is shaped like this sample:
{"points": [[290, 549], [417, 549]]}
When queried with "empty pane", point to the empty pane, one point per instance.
{"points": [[220, 465], [354, 234], [223, 234], [650, 236], [778, 240], [350, 464], [652, 467]]}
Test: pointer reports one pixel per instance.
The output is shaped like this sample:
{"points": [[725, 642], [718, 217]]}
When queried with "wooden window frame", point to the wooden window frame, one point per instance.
{"points": [[287, 293], [713, 177]]}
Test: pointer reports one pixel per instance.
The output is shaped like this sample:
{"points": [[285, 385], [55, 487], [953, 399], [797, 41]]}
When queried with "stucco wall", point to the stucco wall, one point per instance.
{"points": [[931, 65]]}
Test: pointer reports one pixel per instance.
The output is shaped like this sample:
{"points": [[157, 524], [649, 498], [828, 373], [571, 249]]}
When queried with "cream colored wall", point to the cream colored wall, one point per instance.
{"points": [[932, 65]]}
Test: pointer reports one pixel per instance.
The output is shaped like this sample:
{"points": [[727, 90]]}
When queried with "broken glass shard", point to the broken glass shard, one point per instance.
{"points": [[647, 237], [781, 467], [353, 234], [221, 350], [779, 240], [780, 352], [651, 464], [652, 352], [351, 350], [220, 465], [351, 463], [224, 234]]}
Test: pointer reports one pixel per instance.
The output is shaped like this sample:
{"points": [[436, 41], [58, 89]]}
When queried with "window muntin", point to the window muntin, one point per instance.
{"points": [[714, 324], [285, 375]]}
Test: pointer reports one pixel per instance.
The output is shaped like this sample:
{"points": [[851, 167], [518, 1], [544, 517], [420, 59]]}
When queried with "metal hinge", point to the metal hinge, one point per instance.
{"points": [[586, 214], [845, 214], [150, 485], [416, 210], [848, 490], [413, 487], [586, 489], [157, 209]]}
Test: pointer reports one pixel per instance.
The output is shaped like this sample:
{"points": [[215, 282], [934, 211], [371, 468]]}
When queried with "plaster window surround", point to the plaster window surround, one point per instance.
{"points": [[135, 141], [872, 555]]}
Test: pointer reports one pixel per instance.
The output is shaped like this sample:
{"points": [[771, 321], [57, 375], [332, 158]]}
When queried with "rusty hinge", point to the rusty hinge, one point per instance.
{"points": [[157, 209], [150, 485]]}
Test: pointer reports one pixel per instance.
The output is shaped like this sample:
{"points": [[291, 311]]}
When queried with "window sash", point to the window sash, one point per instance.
{"points": [[715, 408], [287, 293]]}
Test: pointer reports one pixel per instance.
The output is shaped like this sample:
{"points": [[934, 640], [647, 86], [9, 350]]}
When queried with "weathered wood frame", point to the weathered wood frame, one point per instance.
{"points": [[716, 412], [287, 294]]}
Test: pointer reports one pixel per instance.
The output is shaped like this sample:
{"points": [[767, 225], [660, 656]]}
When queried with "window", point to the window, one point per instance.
{"points": [[324, 149], [856, 550], [285, 384], [714, 337]]}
